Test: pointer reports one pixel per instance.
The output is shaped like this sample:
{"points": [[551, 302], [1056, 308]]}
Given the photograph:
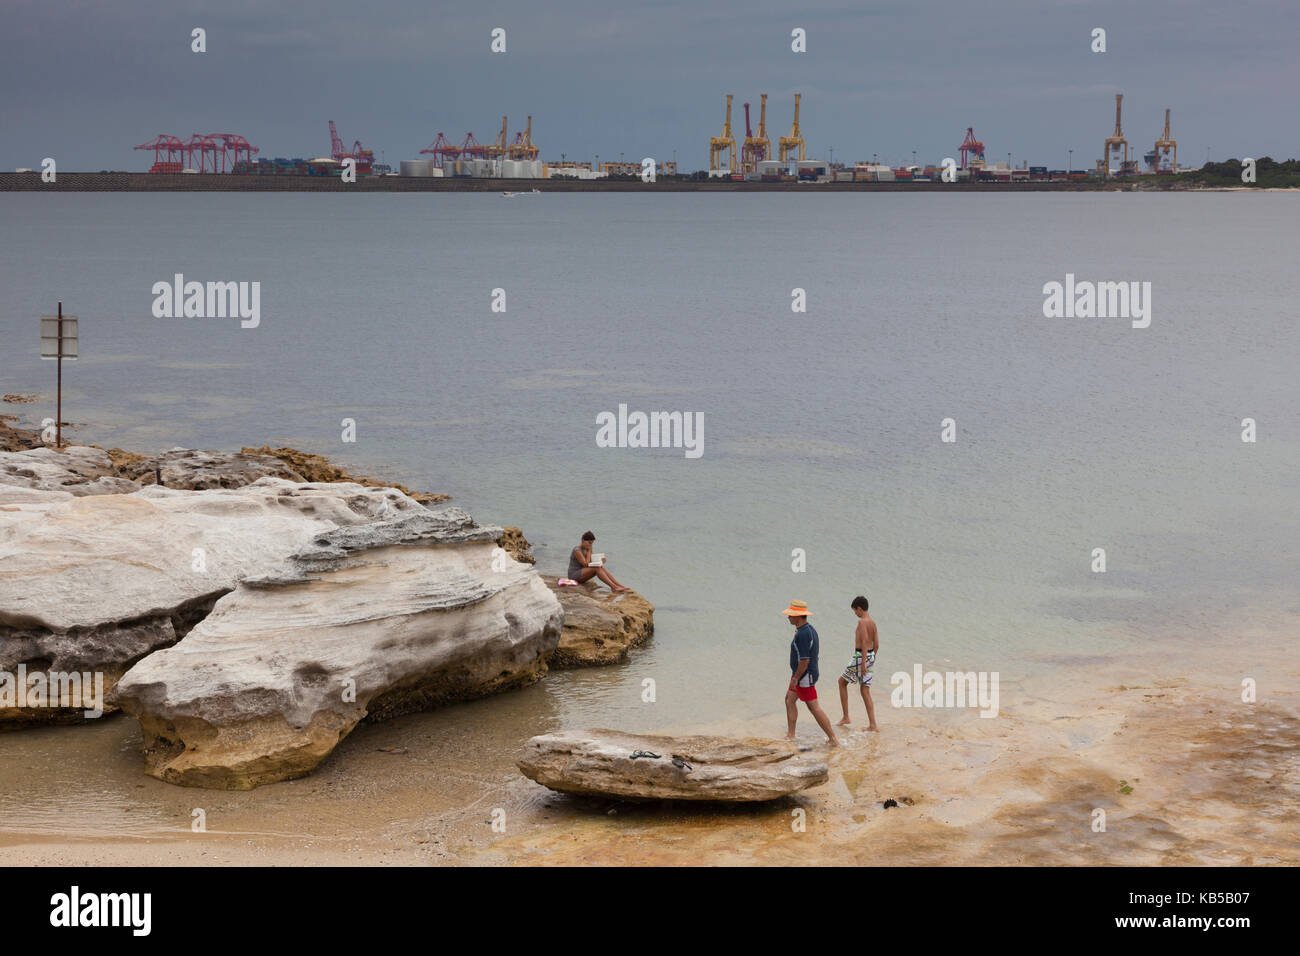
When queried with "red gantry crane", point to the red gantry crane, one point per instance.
{"points": [[204, 152], [231, 146], [208, 152], [970, 145], [472, 148], [442, 151], [172, 147], [365, 158]]}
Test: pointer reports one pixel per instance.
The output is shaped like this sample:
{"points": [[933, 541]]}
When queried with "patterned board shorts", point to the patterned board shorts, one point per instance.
{"points": [[851, 672]]}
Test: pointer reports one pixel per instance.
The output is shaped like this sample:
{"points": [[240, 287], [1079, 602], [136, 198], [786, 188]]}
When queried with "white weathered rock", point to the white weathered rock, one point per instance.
{"points": [[375, 620], [726, 769], [94, 583], [77, 469]]}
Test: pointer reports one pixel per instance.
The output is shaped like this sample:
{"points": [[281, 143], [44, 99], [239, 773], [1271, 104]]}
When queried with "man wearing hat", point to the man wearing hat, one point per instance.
{"points": [[803, 672]]}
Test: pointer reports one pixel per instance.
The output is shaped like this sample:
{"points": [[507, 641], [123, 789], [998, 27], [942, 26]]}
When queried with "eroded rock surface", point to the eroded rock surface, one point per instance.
{"points": [[194, 470], [96, 582], [600, 626], [78, 470], [601, 763], [318, 468], [374, 620]]}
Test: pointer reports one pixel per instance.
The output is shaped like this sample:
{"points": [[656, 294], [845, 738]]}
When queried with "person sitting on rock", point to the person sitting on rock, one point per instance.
{"points": [[580, 567]]}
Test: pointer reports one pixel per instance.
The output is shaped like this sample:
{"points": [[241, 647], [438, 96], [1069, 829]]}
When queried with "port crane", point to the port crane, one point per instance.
{"points": [[756, 148], [442, 151], [794, 142], [471, 148], [231, 146], [1115, 144], [172, 147], [724, 143], [365, 158], [1166, 145], [498, 147], [523, 148], [970, 146]]}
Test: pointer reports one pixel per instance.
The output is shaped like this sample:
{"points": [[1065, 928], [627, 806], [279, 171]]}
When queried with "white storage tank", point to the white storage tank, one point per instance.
{"points": [[417, 167]]}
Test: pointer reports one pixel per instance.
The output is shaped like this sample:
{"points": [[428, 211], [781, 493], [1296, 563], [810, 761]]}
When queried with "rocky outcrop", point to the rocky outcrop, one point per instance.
{"points": [[317, 468], [602, 763], [93, 583], [513, 542], [375, 620], [600, 626], [194, 470], [78, 470]]}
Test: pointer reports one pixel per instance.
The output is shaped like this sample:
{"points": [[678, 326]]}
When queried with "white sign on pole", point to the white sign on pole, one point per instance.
{"points": [[50, 337]]}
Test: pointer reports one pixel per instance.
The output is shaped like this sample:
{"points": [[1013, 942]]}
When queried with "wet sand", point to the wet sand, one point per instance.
{"points": [[1213, 781]]}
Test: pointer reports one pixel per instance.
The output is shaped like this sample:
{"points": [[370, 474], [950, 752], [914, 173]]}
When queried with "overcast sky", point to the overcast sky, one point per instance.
{"points": [[84, 81]]}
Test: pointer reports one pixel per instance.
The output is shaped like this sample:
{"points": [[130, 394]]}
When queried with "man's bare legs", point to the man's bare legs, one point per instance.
{"points": [[814, 708], [871, 709], [823, 721], [844, 702]]}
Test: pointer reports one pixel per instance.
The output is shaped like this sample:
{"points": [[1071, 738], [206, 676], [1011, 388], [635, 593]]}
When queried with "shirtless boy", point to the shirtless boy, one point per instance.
{"points": [[866, 641]]}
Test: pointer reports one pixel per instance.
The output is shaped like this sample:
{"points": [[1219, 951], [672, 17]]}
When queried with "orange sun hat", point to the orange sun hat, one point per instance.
{"points": [[797, 609]]}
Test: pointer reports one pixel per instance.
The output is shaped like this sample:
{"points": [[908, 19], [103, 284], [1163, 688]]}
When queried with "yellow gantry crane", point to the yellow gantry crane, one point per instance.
{"points": [[1115, 143], [497, 149], [522, 148], [724, 143], [1165, 146], [757, 147], [794, 142]]}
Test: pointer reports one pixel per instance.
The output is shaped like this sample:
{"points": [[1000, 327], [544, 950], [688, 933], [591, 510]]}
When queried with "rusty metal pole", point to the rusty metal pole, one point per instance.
{"points": [[58, 414]]}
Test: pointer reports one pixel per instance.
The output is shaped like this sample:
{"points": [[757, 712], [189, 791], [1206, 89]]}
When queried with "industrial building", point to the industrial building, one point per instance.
{"points": [[634, 169]]}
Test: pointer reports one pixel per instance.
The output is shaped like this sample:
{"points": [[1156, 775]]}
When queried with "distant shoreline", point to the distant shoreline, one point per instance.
{"points": [[228, 182]]}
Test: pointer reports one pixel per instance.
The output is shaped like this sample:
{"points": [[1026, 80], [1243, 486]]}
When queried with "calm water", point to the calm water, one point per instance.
{"points": [[821, 429]]}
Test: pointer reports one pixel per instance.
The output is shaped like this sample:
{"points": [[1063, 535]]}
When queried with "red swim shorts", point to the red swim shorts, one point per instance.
{"points": [[806, 693]]}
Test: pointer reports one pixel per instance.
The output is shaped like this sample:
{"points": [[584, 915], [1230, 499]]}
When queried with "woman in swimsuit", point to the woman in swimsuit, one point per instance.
{"points": [[580, 560]]}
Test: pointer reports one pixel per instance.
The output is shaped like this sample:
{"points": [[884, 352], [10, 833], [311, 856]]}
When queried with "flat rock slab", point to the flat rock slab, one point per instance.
{"points": [[725, 769], [600, 626]]}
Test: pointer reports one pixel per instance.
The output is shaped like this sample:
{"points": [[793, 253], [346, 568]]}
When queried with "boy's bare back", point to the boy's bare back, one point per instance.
{"points": [[866, 638]]}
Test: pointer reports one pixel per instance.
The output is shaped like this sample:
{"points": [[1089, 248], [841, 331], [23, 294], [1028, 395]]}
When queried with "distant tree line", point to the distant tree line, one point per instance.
{"points": [[1268, 173]]}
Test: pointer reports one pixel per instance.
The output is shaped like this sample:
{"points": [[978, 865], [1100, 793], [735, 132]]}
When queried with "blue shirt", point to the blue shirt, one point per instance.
{"points": [[804, 645]]}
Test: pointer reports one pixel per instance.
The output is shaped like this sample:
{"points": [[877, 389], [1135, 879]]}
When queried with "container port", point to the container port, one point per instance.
{"points": [[751, 159]]}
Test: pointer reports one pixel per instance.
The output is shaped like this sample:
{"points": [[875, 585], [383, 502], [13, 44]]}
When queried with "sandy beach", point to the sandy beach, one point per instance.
{"points": [[1186, 773]]}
